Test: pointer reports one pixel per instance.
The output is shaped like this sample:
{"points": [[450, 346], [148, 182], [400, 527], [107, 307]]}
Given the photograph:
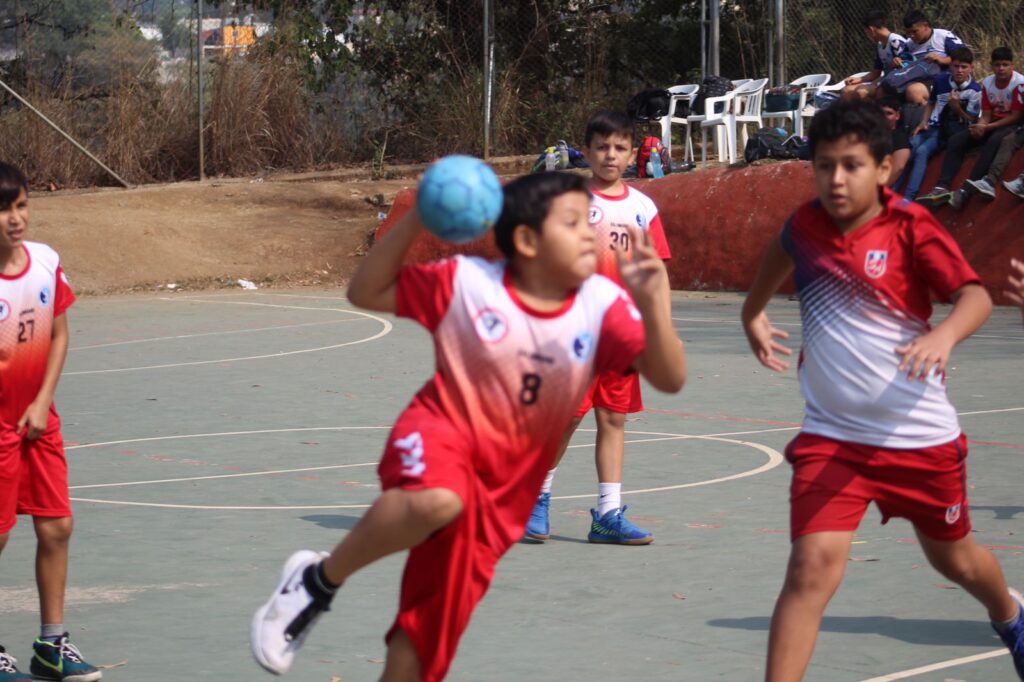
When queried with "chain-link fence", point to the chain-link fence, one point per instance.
{"points": [[307, 83]]}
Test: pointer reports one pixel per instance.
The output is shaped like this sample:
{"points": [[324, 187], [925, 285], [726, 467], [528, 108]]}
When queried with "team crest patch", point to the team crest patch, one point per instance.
{"points": [[874, 263], [596, 215], [953, 514], [641, 221], [490, 325], [582, 347], [44, 295], [5, 310]]}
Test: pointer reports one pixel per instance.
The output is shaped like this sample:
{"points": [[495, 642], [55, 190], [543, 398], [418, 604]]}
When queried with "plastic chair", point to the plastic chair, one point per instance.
{"points": [[723, 124], [839, 85], [746, 109], [808, 86], [679, 93]]}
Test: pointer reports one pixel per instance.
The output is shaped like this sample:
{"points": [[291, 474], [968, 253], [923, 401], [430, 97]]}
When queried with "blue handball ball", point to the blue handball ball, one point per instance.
{"points": [[459, 198]]}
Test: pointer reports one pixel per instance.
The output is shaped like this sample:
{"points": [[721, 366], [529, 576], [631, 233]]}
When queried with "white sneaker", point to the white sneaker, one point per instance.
{"points": [[982, 187], [280, 626], [1015, 187]]}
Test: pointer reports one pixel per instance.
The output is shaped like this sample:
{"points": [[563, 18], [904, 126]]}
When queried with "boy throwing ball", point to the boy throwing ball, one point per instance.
{"points": [[517, 343]]}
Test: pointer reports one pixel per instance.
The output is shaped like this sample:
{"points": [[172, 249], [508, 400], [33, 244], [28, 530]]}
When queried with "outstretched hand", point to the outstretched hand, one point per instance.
{"points": [[640, 267], [762, 338]]}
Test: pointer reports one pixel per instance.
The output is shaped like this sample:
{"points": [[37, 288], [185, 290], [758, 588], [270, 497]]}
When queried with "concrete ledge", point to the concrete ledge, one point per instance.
{"points": [[719, 221]]}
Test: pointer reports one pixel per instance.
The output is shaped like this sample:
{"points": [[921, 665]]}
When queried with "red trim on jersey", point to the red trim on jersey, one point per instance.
{"points": [[526, 308], [609, 197], [658, 238], [28, 264], [423, 292], [63, 297]]}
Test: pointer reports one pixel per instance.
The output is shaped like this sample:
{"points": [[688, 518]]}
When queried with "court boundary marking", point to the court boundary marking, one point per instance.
{"points": [[386, 324], [941, 665], [774, 459]]}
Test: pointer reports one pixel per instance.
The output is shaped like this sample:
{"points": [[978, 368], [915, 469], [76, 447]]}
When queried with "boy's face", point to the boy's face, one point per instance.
{"points": [[1003, 69], [847, 178], [14, 222], [609, 155], [567, 245], [920, 32], [892, 116], [961, 71]]}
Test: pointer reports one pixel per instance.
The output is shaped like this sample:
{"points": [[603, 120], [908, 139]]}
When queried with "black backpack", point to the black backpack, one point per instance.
{"points": [[771, 143], [711, 86], [649, 105]]}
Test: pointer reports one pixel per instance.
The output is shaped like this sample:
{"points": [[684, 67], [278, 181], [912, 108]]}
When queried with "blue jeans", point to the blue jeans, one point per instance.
{"points": [[923, 146]]}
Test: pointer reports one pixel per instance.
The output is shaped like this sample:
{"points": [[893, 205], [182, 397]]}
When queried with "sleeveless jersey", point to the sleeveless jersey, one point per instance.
{"points": [[28, 303]]}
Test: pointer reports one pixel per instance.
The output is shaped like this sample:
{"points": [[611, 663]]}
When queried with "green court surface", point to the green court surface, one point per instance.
{"points": [[212, 434]]}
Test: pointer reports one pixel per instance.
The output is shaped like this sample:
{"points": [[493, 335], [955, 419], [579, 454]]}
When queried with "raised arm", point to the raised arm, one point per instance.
{"points": [[663, 360], [776, 266], [375, 280]]}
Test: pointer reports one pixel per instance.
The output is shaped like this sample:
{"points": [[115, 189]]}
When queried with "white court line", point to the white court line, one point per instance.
{"points": [[1005, 409], [774, 459], [230, 331], [914, 672], [387, 327], [726, 320]]}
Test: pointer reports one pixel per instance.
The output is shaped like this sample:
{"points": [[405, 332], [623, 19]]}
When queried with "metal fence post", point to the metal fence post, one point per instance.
{"points": [[199, 87], [715, 62], [488, 83], [780, 43]]}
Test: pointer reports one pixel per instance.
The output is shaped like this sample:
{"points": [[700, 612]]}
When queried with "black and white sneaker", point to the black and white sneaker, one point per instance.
{"points": [[982, 187], [280, 626]]}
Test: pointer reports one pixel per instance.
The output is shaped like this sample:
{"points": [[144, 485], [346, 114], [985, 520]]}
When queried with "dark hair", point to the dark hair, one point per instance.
{"points": [[962, 55], [890, 102], [915, 16], [861, 119], [607, 123], [875, 19], [12, 182], [528, 200], [1002, 54]]}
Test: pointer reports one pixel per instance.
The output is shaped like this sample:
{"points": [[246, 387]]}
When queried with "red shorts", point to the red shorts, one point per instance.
{"points": [[33, 475], [448, 574], [833, 482], [614, 392]]}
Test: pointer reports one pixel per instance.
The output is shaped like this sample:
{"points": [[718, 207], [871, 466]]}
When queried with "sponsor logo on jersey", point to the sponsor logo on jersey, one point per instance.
{"points": [[5, 310], [953, 514], [411, 450], [44, 295], [641, 221], [596, 215], [490, 325], [874, 263], [582, 347]]}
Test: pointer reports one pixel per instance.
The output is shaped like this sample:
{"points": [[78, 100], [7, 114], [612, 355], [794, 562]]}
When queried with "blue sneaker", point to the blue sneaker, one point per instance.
{"points": [[9, 671], [1013, 637], [614, 528], [61, 660], [539, 527]]}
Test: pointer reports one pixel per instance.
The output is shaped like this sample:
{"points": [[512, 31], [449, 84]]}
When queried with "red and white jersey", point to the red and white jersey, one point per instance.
{"points": [[861, 295], [612, 216], [508, 376], [1001, 101], [28, 303]]}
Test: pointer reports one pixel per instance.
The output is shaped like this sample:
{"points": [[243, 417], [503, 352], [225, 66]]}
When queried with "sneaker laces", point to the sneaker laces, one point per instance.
{"points": [[7, 662], [68, 650]]}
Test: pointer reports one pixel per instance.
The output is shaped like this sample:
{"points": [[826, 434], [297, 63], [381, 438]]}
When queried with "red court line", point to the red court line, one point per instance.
{"points": [[720, 417], [1015, 446]]}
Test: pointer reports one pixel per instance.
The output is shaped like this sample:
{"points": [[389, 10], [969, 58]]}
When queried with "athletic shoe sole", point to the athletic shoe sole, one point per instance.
{"points": [[537, 537], [935, 199], [988, 193], [258, 620], [601, 540], [1009, 188]]}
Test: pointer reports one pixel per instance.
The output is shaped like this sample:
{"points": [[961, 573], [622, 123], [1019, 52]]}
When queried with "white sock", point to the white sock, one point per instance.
{"points": [[609, 496], [546, 487]]}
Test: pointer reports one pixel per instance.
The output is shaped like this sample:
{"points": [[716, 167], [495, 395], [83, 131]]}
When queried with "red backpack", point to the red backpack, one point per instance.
{"points": [[643, 156]]}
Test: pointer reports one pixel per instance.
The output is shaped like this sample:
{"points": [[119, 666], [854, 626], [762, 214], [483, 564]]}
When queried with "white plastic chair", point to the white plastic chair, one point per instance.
{"points": [[808, 86], [679, 93], [839, 85], [740, 82], [746, 109], [721, 121]]}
